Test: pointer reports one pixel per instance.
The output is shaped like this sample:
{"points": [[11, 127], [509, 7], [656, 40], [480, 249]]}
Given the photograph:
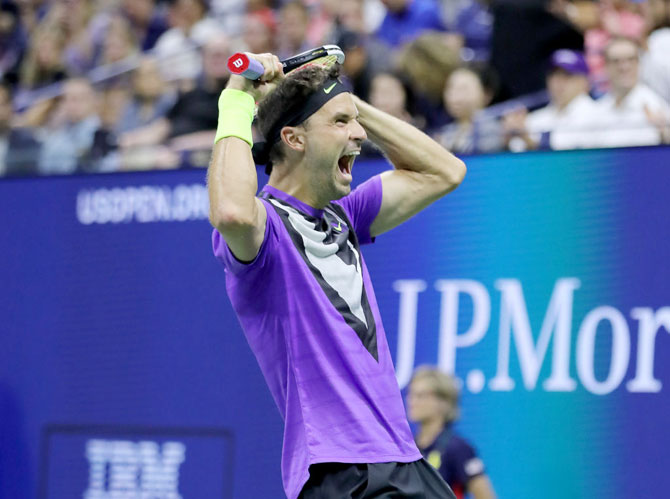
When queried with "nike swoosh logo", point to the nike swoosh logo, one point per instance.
{"points": [[327, 90], [339, 227]]}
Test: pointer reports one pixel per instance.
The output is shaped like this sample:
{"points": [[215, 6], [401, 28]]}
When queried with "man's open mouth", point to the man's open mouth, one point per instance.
{"points": [[346, 162]]}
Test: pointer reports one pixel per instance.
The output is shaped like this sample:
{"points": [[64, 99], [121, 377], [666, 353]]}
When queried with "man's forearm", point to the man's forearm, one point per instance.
{"points": [[407, 147], [231, 182]]}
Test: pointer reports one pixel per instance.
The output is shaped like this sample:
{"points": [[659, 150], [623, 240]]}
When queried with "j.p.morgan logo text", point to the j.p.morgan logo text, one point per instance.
{"points": [[514, 331], [122, 469]]}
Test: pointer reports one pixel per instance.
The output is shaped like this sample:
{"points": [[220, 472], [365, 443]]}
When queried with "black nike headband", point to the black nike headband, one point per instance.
{"points": [[329, 89]]}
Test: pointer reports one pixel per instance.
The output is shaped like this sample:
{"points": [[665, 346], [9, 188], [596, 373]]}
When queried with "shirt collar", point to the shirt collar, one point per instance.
{"points": [[294, 202]]}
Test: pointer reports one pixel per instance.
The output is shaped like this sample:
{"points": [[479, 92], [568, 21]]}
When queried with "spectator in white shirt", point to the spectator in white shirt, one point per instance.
{"points": [[178, 48], [567, 120], [630, 114]]}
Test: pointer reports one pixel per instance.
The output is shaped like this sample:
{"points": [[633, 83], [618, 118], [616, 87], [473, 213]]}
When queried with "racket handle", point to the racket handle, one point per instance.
{"points": [[241, 64]]}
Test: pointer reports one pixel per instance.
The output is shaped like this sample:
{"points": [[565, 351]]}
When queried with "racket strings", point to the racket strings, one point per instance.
{"points": [[325, 62]]}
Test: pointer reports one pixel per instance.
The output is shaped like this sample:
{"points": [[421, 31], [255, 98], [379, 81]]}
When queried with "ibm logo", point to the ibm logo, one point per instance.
{"points": [[122, 469]]}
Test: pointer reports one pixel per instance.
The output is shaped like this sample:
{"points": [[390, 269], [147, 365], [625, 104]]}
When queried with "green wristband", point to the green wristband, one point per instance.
{"points": [[236, 112]]}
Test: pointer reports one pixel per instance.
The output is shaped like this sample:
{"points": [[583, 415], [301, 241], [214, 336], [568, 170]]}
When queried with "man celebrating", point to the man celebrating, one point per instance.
{"points": [[298, 282]]}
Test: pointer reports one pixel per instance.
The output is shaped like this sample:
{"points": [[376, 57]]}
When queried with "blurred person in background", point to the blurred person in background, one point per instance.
{"points": [[392, 95], [73, 19], [69, 135], [389, 93], [18, 148], [655, 62], [119, 42], [405, 20], [150, 103], [32, 12], [352, 31], [361, 16], [357, 67], [470, 30], [322, 21], [466, 93], [616, 18], [524, 34], [432, 402], [567, 120], [192, 121], [292, 31], [260, 32], [151, 98], [427, 62], [147, 21], [630, 114], [177, 48], [43, 65], [13, 41]]}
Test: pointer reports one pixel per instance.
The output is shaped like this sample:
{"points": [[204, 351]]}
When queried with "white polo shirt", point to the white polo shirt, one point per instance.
{"points": [[568, 127], [627, 124]]}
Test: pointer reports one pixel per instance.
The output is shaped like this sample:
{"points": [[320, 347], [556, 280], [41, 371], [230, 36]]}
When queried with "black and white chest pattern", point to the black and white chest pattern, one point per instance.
{"points": [[331, 251]]}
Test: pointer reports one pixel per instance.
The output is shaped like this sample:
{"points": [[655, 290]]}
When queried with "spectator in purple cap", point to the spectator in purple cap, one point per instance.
{"points": [[567, 120]]}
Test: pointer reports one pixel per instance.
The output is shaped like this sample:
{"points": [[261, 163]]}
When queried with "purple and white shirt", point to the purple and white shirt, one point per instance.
{"points": [[309, 313]]}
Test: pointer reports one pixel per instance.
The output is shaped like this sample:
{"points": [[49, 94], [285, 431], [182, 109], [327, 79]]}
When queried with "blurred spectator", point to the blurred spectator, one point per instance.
{"points": [[260, 31], [43, 64], [525, 34], [119, 42], [405, 20], [617, 18], [471, 30], [177, 48], [568, 119], [432, 402], [353, 32], [191, 123], [361, 16], [150, 99], [427, 62], [32, 12], [147, 21], [72, 18], [322, 21], [630, 114], [466, 93], [13, 41], [18, 147], [150, 102], [390, 94], [655, 63], [69, 136], [351, 16], [357, 67], [293, 24], [230, 14]]}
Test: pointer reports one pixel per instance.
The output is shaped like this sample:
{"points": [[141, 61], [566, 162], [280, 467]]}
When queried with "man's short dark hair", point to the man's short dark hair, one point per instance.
{"points": [[290, 95]]}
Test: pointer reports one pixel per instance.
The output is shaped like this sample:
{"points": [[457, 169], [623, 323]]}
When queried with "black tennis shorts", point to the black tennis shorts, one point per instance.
{"points": [[416, 480]]}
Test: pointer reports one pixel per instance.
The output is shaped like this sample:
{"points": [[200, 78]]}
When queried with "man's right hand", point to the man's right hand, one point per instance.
{"points": [[258, 89]]}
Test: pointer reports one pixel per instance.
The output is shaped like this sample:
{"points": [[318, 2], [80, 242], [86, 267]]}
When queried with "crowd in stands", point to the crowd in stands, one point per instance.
{"points": [[115, 85]]}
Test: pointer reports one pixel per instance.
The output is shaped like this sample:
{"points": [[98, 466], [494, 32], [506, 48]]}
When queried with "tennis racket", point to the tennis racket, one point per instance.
{"points": [[326, 56]]}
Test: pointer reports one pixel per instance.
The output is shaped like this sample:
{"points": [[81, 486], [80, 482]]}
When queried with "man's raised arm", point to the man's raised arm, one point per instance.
{"points": [[424, 170], [231, 178]]}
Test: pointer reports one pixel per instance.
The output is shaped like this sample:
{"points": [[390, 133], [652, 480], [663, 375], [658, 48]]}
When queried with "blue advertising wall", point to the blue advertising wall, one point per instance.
{"points": [[542, 282]]}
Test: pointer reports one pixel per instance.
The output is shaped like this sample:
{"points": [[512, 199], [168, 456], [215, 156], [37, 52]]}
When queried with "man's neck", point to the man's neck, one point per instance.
{"points": [[294, 186], [429, 431]]}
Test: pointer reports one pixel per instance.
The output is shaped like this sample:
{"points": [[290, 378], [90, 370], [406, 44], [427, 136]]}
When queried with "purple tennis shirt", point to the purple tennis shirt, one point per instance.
{"points": [[309, 313]]}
